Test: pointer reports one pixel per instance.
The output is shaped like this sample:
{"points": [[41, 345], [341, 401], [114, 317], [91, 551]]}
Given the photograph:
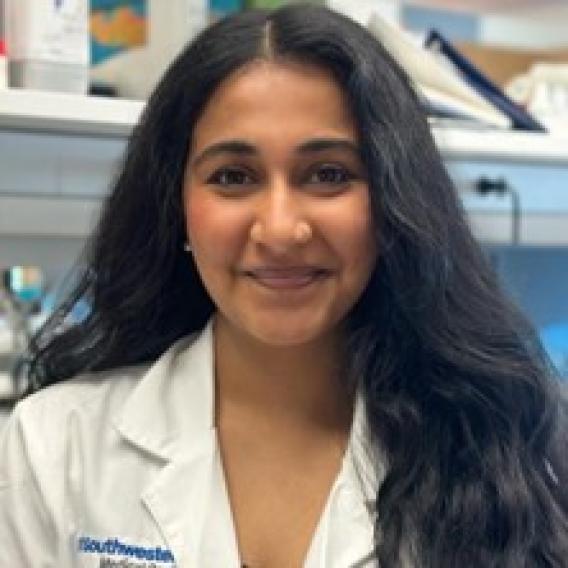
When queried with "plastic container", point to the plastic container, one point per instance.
{"points": [[49, 44]]}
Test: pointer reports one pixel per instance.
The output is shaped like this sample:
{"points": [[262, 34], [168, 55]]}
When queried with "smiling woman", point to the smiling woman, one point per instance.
{"points": [[279, 218], [296, 353]]}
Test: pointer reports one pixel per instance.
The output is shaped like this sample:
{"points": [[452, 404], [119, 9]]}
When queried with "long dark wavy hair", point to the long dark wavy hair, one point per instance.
{"points": [[460, 398]]}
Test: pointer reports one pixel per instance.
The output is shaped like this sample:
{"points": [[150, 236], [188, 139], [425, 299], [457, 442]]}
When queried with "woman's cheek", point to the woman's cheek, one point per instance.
{"points": [[215, 227]]}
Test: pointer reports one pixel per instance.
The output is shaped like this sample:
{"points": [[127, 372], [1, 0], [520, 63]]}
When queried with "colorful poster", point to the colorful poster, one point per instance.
{"points": [[220, 8], [116, 26]]}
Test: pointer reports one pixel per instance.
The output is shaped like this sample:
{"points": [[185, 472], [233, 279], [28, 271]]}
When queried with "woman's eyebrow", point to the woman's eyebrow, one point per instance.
{"points": [[246, 148], [323, 144], [225, 147]]}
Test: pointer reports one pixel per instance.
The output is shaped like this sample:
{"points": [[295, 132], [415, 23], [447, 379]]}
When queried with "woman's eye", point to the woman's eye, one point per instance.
{"points": [[227, 177], [331, 175]]}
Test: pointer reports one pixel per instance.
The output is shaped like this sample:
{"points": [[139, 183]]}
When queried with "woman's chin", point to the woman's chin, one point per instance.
{"points": [[284, 333]]}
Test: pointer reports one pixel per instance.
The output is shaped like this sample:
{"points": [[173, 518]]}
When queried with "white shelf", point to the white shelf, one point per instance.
{"points": [[47, 216], [63, 113], [60, 113], [497, 145]]}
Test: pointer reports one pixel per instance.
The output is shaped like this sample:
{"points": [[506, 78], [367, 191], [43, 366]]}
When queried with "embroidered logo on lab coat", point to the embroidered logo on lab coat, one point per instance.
{"points": [[115, 553]]}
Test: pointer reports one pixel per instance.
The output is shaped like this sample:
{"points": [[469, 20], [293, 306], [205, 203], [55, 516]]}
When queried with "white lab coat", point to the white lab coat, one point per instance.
{"points": [[123, 469]]}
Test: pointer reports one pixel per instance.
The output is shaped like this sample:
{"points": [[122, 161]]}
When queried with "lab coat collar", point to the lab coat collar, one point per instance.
{"points": [[364, 464], [170, 415], [171, 410]]}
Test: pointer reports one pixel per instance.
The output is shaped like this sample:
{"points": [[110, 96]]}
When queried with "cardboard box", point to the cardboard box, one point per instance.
{"points": [[502, 64]]}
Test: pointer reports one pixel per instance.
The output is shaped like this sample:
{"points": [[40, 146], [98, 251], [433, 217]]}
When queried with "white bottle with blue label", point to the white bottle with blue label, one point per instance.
{"points": [[49, 44]]}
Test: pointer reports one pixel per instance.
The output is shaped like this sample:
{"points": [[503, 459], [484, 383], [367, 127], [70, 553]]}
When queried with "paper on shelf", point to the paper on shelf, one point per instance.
{"points": [[431, 77]]}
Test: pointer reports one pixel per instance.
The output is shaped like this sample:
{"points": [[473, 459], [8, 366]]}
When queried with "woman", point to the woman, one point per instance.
{"points": [[296, 353]]}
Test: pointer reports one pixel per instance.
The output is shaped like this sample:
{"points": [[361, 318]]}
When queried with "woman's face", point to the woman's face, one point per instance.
{"points": [[277, 203]]}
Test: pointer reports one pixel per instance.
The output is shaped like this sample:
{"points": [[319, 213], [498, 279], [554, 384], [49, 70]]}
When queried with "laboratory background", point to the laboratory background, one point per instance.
{"points": [[492, 76]]}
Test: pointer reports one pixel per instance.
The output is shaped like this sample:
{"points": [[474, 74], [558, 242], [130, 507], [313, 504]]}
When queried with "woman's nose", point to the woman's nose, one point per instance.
{"points": [[279, 221]]}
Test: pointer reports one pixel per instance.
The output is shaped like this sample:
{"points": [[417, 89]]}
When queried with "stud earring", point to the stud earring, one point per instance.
{"points": [[186, 247]]}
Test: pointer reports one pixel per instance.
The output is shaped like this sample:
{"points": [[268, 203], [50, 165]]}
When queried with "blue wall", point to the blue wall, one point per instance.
{"points": [[537, 279]]}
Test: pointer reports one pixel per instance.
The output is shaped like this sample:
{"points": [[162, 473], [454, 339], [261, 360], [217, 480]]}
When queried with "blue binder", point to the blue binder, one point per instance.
{"points": [[521, 119]]}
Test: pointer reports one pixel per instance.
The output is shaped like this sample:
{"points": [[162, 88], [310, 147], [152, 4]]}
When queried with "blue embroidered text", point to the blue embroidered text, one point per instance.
{"points": [[113, 546]]}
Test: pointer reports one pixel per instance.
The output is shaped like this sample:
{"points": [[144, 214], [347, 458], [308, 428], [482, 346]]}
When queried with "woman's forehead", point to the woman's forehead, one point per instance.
{"points": [[277, 98]]}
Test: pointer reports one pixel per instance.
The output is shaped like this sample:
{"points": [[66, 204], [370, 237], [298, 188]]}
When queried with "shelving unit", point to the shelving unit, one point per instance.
{"points": [[61, 113], [58, 153], [64, 114], [495, 146]]}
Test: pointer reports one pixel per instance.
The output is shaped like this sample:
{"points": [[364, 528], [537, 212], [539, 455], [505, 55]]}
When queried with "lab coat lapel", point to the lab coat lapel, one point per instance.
{"points": [[188, 502], [347, 539], [170, 415], [177, 500]]}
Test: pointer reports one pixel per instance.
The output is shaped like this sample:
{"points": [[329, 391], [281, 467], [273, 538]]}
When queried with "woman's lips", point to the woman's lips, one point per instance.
{"points": [[286, 278]]}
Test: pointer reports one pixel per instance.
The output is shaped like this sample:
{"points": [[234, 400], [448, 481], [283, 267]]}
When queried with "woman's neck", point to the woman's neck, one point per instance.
{"points": [[298, 385]]}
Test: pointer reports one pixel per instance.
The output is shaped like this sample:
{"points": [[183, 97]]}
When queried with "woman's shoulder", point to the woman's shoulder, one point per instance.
{"points": [[95, 414], [79, 393], [39, 426], [108, 388], [88, 402]]}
